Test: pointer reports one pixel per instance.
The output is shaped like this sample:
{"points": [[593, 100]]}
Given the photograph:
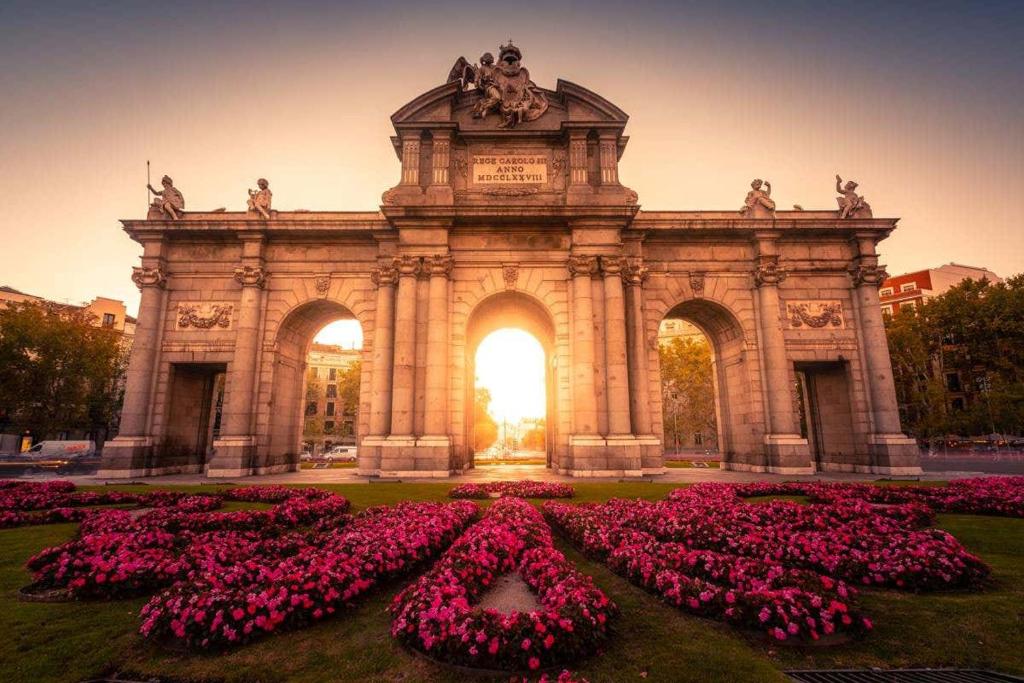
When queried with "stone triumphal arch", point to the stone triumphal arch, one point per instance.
{"points": [[509, 212]]}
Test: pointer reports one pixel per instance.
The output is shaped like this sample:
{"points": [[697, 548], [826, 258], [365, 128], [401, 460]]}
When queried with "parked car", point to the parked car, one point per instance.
{"points": [[61, 450], [341, 454]]}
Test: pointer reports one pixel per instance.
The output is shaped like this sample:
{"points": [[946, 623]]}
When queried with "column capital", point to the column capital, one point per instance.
{"points": [[438, 265], [251, 276], [767, 270], [634, 273], [384, 276], [612, 265], [869, 274], [580, 265], [149, 277], [408, 266]]}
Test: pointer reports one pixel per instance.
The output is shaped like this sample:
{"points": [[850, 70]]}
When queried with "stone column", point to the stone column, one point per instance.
{"points": [[436, 422], [582, 269], [616, 362], [233, 451], [892, 451], [128, 454], [403, 378], [639, 382], [385, 278], [787, 451]]}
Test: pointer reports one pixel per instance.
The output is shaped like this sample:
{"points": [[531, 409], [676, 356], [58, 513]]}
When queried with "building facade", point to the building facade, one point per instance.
{"points": [[509, 212], [910, 290], [330, 416]]}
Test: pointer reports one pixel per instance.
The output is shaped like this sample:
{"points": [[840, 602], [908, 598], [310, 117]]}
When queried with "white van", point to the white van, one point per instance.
{"points": [[341, 454], [61, 450]]}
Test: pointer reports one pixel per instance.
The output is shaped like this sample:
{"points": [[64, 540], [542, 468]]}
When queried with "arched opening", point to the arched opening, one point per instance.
{"points": [[509, 355], [706, 394], [315, 403]]}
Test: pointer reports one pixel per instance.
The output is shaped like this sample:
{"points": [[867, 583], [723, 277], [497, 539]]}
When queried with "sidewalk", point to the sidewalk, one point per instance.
{"points": [[481, 474]]}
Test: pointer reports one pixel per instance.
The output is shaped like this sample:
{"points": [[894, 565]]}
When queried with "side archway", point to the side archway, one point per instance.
{"points": [[292, 342]]}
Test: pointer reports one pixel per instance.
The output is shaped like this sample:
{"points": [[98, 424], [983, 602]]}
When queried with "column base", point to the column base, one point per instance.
{"points": [[618, 455], [894, 454], [787, 454], [408, 456], [125, 457], [232, 457]]}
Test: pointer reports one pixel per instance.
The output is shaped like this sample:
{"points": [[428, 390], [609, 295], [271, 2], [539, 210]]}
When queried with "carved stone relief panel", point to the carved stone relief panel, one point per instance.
{"points": [[815, 314], [200, 315]]}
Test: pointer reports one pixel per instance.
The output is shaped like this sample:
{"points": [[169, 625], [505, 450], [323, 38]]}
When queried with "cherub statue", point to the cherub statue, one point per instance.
{"points": [[851, 204], [259, 200], [759, 203], [171, 202]]}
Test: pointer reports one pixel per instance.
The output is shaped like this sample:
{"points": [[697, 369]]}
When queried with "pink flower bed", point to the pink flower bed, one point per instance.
{"points": [[225, 604], [437, 613], [118, 554], [780, 567], [517, 489], [1002, 496]]}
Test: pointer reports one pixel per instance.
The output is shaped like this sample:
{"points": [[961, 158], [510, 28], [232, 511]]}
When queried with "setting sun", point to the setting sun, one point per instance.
{"points": [[510, 364]]}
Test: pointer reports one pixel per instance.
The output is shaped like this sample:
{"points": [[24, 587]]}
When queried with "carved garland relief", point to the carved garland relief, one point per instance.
{"points": [[815, 314], [204, 316]]}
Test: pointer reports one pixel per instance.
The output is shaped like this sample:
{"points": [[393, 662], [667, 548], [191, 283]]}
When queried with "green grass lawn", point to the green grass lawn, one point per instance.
{"points": [[688, 464], [74, 641]]}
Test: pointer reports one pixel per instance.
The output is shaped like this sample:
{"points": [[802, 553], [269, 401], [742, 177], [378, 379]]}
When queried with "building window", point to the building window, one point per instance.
{"points": [[958, 404], [332, 374], [908, 287], [313, 374], [953, 382], [332, 391], [887, 309], [311, 408], [328, 426], [885, 291], [909, 305], [330, 408], [108, 320]]}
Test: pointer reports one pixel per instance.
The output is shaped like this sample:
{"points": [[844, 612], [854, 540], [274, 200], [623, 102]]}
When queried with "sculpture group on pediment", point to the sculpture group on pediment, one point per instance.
{"points": [[259, 200], [759, 202], [851, 204], [505, 87], [168, 202]]}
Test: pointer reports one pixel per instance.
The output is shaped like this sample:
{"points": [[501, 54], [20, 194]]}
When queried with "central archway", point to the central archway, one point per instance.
{"points": [[522, 312]]}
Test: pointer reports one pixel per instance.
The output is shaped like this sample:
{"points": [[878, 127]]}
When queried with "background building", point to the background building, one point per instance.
{"points": [[332, 396], [911, 289]]}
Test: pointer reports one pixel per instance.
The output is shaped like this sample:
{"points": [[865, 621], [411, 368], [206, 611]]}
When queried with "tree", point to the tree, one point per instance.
{"points": [[58, 369], [313, 421], [971, 338], [485, 429], [687, 390]]}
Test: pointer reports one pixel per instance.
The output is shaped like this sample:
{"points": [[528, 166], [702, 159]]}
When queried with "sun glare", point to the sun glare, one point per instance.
{"points": [[344, 333], [510, 364]]}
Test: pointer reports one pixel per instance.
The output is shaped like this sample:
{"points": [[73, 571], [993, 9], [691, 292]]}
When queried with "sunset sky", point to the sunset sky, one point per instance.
{"points": [[921, 103]]}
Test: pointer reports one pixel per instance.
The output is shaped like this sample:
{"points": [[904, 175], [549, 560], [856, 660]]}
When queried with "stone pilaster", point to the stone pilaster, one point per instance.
{"points": [[577, 158], [410, 159], [787, 451], [233, 452], [609, 153], [892, 452], [616, 361], [384, 278], [440, 190], [129, 453]]}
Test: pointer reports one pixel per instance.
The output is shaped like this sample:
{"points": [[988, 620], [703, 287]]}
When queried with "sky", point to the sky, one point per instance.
{"points": [[510, 364], [921, 103]]}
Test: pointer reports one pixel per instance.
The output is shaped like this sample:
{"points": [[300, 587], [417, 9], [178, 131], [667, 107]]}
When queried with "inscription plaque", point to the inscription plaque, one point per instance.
{"points": [[510, 169]]}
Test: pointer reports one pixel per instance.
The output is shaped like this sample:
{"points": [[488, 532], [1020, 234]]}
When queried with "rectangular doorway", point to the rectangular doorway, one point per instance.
{"points": [[826, 412], [195, 396]]}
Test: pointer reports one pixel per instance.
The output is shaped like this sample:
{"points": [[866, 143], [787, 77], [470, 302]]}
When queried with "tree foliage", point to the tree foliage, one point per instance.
{"points": [[688, 392], [971, 336], [485, 429], [58, 369], [348, 395]]}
